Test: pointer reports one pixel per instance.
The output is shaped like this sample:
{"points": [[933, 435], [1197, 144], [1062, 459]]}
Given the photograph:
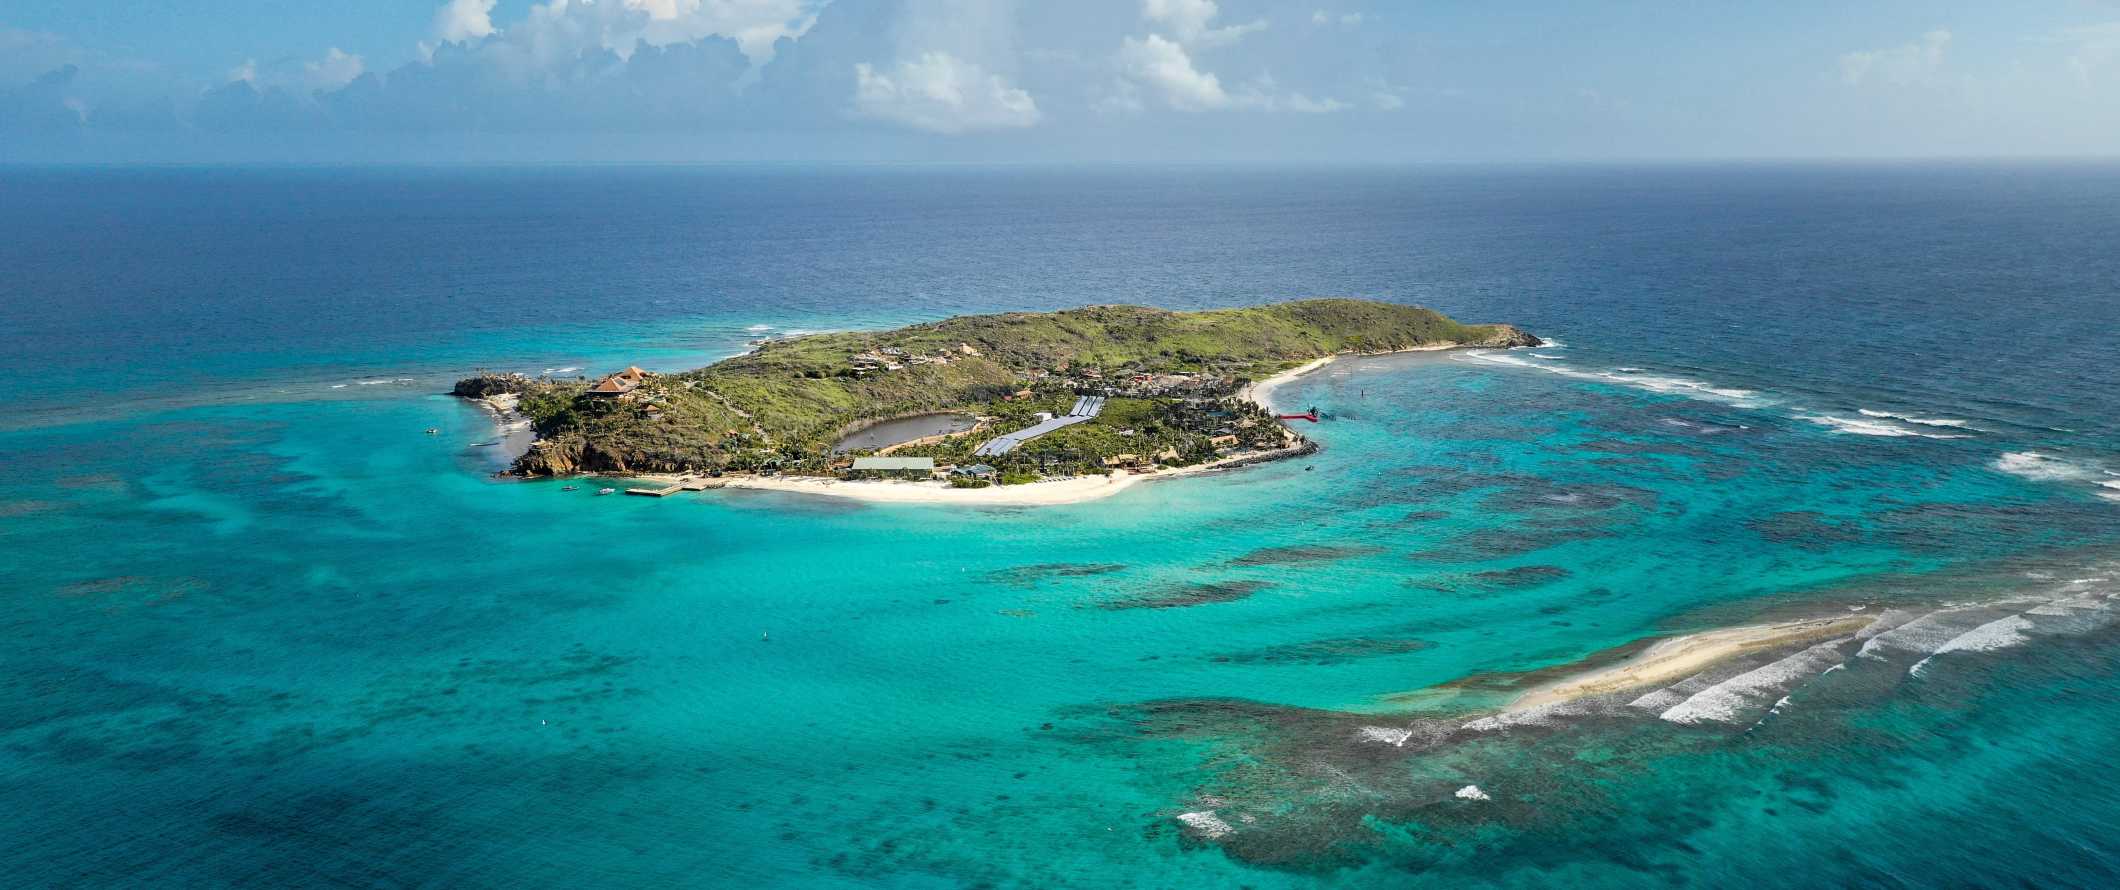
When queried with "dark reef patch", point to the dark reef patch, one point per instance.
{"points": [[1517, 578], [1178, 596], [1507, 542], [1302, 553], [1521, 499], [1807, 529], [1028, 575], [1330, 651]]}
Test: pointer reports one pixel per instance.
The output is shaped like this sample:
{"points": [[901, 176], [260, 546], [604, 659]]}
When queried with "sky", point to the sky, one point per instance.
{"points": [[151, 81]]}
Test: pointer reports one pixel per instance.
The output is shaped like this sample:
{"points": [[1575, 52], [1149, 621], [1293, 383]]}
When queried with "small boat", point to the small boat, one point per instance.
{"points": [[570, 488], [434, 431], [484, 444], [604, 491]]}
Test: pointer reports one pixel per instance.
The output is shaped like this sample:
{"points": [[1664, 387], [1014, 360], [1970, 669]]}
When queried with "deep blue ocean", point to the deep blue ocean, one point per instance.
{"points": [[264, 631]]}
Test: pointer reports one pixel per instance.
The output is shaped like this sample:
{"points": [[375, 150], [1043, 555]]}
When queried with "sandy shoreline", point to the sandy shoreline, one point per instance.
{"points": [[1059, 491], [1678, 657]]}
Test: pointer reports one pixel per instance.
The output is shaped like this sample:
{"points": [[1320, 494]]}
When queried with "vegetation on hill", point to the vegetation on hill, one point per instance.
{"points": [[786, 403]]}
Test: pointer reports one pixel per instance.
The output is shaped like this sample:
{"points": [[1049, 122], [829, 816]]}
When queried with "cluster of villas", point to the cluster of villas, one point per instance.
{"points": [[892, 358]]}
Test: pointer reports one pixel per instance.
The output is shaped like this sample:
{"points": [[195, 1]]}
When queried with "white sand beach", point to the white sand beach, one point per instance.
{"points": [[1057, 491], [1679, 657]]}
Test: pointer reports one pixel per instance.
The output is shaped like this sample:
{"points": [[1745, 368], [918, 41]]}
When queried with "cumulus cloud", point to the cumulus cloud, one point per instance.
{"points": [[941, 93], [460, 20], [1165, 67], [1190, 21], [1162, 67], [1913, 63]]}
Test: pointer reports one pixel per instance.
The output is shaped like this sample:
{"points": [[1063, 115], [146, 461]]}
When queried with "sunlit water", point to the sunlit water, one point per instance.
{"points": [[267, 630]]}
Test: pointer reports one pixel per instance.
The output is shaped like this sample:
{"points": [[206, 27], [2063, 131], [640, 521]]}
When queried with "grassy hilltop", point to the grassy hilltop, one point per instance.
{"points": [[789, 400]]}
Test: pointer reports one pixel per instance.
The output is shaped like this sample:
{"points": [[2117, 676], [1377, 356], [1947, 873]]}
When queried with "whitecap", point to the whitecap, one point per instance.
{"points": [[1724, 701], [1924, 421], [2000, 633], [1861, 427], [756, 328], [2042, 467], [1925, 634], [1471, 792], [1655, 383]]}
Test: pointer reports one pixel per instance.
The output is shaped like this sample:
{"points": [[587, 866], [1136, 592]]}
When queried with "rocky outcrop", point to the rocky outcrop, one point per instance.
{"points": [[483, 385], [1508, 336]]}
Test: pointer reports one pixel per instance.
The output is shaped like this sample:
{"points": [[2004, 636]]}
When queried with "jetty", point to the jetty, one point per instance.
{"points": [[688, 483]]}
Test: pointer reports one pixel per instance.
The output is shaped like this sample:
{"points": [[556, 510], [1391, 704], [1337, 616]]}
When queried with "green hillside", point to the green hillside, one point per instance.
{"points": [[789, 400]]}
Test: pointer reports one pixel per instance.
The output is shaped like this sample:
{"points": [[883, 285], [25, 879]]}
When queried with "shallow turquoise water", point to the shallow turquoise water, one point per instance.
{"points": [[265, 631], [312, 628]]}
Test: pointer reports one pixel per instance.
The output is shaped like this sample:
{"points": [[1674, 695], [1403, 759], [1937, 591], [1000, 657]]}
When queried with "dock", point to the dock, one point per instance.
{"points": [[688, 483]]}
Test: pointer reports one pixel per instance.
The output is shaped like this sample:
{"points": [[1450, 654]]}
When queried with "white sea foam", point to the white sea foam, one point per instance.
{"points": [[1472, 792], [1860, 427], [1724, 701], [2000, 633], [338, 386], [566, 370], [2043, 467], [756, 328], [1656, 383], [1927, 633], [1924, 421], [1206, 823]]}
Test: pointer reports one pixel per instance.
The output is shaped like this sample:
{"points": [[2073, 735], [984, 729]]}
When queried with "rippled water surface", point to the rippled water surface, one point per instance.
{"points": [[265, 630]]}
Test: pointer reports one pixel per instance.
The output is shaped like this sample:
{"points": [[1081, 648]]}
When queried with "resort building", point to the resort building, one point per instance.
{"points": [[619, 384], [902, 467]]}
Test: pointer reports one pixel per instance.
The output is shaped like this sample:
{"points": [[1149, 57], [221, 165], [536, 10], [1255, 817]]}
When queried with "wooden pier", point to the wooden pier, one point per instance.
{"points": [[688, 483]]}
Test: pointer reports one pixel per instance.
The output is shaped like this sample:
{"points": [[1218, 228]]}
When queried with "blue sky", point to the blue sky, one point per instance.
{"points": [[1098, 80]]}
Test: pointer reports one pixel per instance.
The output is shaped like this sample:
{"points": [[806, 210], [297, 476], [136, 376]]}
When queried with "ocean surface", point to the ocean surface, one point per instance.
{"points": [[262, 630]]}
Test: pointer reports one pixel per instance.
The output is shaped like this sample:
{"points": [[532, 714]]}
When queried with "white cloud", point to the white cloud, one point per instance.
{"points": [[1301, 104], [335, 69], [1164, 66], [2094, 47], [558, 31], [1321, 17], [1190, 21], [1912, 63], [941, 93], [460, 20]]}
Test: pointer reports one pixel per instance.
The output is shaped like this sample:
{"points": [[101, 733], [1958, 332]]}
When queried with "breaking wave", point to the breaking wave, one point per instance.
{"points": [[1861, 427], [1909, 418], [1728, 700], [1680, 386], [2041, 467]]}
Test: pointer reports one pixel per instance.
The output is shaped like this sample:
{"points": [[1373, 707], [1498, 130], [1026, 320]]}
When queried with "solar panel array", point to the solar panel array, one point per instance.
{"points": [[1085, 408]]}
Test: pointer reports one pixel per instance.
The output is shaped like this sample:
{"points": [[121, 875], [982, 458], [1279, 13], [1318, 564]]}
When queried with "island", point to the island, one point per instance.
{"points": [[1098, 396]]}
